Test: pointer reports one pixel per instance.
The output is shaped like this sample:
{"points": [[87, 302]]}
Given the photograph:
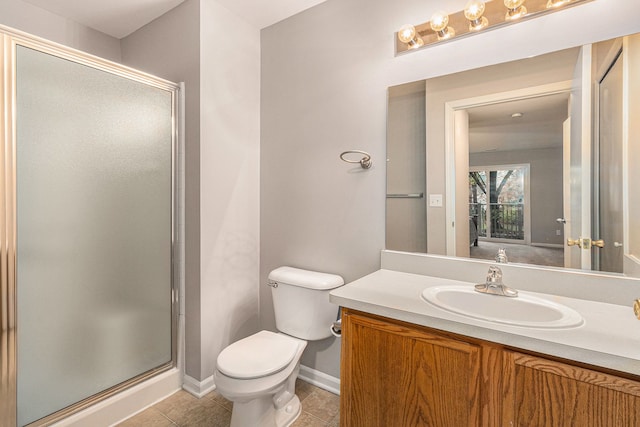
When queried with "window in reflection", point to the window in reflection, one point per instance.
{"points": [[496, 203]]}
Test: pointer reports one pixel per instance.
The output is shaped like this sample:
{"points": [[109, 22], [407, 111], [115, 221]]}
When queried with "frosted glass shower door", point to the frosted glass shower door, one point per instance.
{"points": [[94, 230]]}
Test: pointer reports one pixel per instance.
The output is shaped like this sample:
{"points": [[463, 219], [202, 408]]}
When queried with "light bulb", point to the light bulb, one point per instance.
{"points": [[473, 12], [516, 9], [439, 21], [406, 33]]}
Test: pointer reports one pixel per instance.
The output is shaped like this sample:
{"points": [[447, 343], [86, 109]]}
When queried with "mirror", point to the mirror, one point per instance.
{"points": [[532, 156]]}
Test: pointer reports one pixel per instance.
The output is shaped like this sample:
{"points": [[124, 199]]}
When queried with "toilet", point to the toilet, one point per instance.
{"points": [[258, 373]]}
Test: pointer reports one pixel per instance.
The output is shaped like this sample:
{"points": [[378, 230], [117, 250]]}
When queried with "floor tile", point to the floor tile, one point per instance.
{"points": [[322, 404], [149, 417], [303, 389], [319, 409], [335, 422], [176, 406], [307, 420], [212, 415], [186, 410], [221, 400]]}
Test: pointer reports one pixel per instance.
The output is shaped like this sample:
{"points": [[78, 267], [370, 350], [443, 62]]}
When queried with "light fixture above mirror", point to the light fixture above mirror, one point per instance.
{"points": [[477, 16], [474, 12]]}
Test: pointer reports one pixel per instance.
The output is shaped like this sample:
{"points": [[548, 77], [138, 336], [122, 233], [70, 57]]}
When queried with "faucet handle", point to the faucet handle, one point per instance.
{"points": [[494, 276], [494, 285]]}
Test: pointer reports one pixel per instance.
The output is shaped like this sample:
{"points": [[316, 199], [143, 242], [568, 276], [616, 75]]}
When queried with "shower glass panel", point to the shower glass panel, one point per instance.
{"points": [[94, 231]]}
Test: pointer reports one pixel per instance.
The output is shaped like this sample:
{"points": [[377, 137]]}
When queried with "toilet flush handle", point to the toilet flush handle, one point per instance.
{"points": [[272, 284]]}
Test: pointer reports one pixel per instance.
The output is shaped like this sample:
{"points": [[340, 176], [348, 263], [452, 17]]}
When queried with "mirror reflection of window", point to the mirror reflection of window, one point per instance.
{"points": [[499, 207], [496, 203]]}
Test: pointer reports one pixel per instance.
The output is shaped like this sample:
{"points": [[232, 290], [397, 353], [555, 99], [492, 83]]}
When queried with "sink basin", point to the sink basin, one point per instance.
{"points": [[523, 310]]}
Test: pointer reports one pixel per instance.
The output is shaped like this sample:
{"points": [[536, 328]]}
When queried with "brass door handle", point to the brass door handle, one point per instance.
{"points": [[585, 243], [572, 242]]}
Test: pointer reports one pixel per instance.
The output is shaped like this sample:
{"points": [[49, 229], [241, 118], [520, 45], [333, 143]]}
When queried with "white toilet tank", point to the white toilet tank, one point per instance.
{"points": [[301, 302]]}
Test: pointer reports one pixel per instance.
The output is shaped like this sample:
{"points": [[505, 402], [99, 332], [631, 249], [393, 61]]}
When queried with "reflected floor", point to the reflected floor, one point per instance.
{"points": [[319, 409], [552, 257]]}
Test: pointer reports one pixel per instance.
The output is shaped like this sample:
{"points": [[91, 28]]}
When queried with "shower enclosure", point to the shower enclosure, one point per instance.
{"points": [[88, 214]]}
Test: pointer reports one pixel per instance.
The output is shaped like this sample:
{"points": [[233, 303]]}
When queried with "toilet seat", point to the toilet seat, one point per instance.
{"points": [[258, 355]]}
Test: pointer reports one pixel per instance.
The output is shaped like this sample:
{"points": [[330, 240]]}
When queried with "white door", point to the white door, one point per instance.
{"points": [[566, 192], [580, 159], [608, 205], [462, 183]]}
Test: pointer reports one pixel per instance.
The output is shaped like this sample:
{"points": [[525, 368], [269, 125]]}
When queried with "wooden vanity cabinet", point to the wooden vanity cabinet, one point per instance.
{"points": [[396, 374], [543, 392]]}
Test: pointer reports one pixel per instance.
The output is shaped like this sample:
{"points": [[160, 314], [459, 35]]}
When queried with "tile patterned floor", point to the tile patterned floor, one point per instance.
{"points": [[319, 409]]}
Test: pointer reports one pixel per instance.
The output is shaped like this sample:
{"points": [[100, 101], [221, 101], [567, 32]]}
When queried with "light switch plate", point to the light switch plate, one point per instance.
{"points": [[435, 200]]}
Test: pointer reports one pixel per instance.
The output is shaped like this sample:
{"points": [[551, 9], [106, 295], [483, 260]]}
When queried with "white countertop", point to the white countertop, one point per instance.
{"points": [[609, 337]]}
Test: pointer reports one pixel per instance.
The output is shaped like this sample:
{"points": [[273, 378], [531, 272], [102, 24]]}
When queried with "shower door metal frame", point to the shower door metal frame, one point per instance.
{"points": [[9, 40]]}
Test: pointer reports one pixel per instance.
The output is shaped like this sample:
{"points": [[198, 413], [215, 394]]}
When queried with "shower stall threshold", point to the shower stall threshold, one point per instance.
{"points": [[126, 403]]}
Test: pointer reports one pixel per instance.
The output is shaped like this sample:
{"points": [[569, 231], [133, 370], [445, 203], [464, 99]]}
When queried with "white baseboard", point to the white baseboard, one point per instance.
{"points": [[317, 378], [198, 388], [320, 379], [127, 403], [548, 245]]}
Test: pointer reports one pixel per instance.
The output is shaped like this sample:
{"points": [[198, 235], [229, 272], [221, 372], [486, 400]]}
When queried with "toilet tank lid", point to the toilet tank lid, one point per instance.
{"points": [[305, 278]]}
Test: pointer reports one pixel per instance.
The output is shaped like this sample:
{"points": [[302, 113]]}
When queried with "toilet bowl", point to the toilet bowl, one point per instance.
{"points": [[258, 373]]}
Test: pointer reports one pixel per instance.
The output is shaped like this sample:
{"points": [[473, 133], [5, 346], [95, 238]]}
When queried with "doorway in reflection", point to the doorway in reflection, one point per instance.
{"points": [[523, 254], [515, 177]]}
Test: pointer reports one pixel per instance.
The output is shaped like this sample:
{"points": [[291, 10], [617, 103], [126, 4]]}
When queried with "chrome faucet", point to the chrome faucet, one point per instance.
{"points": [[501, 257], [494, 285]]}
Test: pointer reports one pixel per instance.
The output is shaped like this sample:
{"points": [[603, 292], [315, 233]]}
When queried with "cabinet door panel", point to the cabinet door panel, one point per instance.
{"points": [[399, 376], [548, 393]]}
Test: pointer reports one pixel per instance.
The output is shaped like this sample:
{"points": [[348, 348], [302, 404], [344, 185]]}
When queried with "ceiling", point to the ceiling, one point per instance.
{"points": [[263, 13], [119, 18], [491, 127]]}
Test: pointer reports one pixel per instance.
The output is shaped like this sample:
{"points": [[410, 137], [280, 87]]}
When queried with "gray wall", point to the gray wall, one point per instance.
{"points": [[325, 73], [229, 180], [545, 184], [169, 47], [198, 43], [34, 20], [406, 218]]}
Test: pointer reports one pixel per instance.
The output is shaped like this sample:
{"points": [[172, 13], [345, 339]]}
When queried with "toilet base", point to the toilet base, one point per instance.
{"points": [[263, 412], [289, 413]]}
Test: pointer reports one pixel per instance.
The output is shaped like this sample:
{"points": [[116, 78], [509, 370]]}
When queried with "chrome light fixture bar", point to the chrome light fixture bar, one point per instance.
{"points": [[477, 16]]}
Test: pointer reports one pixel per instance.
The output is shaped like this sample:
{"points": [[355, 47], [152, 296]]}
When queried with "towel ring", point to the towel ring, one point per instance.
{"points": [[365, 162]]}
